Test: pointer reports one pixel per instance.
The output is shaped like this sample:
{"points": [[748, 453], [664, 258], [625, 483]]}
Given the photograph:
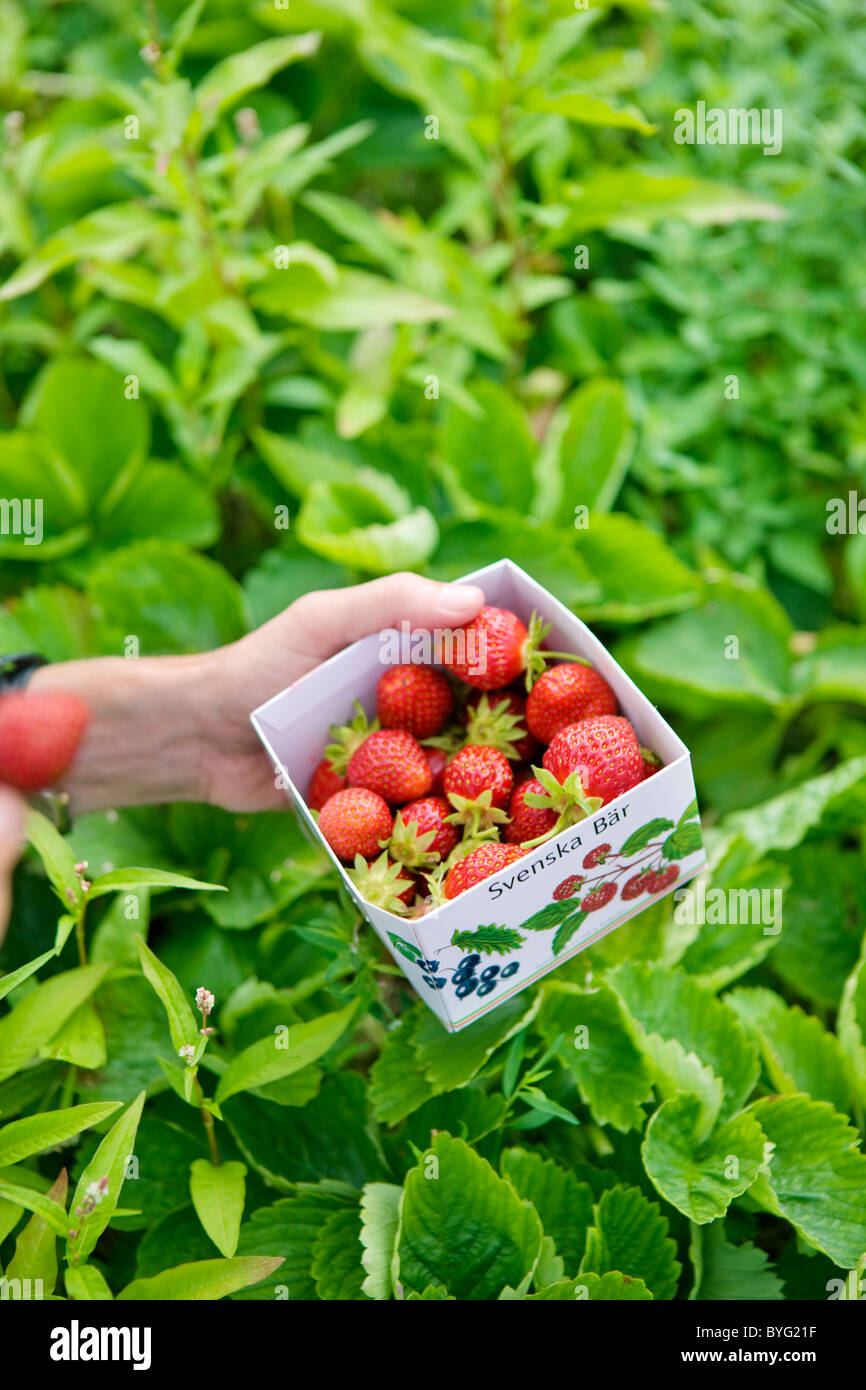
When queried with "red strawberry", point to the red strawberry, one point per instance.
{"points": [[498, 720], [661, 879], [323, 783], [39, 737], [634, 887], [564, 695], [475, 770], [354, 821], [602, 751], [651, 762], [415, 698], [528, 822], [437, 761], [495, 648], [422, 835], [391, 763], [596, 856], [480, 864], [568, 887], [598, 897], [384, 884]]}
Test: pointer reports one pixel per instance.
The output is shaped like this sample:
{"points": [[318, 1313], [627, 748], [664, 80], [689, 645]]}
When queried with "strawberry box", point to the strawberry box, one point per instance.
{"points": [[509, 930]]}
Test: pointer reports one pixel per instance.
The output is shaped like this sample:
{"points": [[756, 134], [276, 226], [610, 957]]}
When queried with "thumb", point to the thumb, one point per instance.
{"points": [[11, 836], [331, 619]]}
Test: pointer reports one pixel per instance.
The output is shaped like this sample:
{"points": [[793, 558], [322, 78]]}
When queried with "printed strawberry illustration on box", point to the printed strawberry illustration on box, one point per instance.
{"points": [[495, 813]]}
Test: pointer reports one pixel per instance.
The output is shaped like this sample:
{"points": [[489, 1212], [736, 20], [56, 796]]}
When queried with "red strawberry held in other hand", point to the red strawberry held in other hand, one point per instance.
{"points": [[354, 821], [415, 698], [323, 783], [496, 647], [528, 822], [480, 864], [564, 695], [603, 751], [39, 737], [391, 763]]}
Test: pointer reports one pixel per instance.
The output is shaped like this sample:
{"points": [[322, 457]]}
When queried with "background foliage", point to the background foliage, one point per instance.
{"points": [[428, 381]]}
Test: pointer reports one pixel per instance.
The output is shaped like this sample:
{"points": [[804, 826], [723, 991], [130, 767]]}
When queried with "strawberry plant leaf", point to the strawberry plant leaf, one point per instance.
{"points": [[492, 940], [612, 1287], [851, 1026], [380, 1225], [450, 1060], [563, 1204], [337, 1257], [725, 1272], [611, 1074], [698, 1175], [468, 1231], [585, 453], [289, 1228], [218, 1195], [629, 1234], [797, 1051], [397, 1084]]}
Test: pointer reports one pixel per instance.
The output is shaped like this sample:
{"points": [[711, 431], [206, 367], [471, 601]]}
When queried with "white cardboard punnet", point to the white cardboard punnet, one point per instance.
{"points": [[294, 728]]}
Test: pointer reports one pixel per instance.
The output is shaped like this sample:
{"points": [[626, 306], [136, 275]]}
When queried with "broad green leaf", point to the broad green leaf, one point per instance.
{"points": [[816, 1177], [851, 1026], [163, 502], [337, 1255], [181, 1019], [449, 1060], [468, 1113], [784, 821], [835, 669], [32, 473], [242, 72], [547, 554], [218, 1195], [272, 1058], [589, 110], [489, 455], [55, 853], [742, 921], [628, 194], [380, 1225], [823, 921], [563, 1203], [87, 1284], [112, 233], [109, 1161], [37, 1018], [21, 1138], [357, 300], [17, 977], [797, 1051], [289, 1228], [119, 879], [366, 525], [585, 454], [81, 1040], [397, 1084], [682, 842], [693, 1042], [629, 1234], [612, 1287], [463, 1227], [640, 575], [726, 1273], [698, 1175], [38, 1202], [203, 1280], [611, 1074], [36, 1246]]}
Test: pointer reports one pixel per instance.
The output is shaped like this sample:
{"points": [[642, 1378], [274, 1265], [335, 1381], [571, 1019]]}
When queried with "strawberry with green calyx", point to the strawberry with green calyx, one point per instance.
{"points": [[478, 782], [354, 822], [564, 695], [422, 834], [498, 720], [434, 883], [384, 883], [529, 823], [323, 783], [391, 763], [602, 753], [479, 865], [565, 799], [598, 897], [636, 886], [596, 856], [347, 738], [661, 879], [498, 648], [415, 698], [568, 887], [651, 762]]}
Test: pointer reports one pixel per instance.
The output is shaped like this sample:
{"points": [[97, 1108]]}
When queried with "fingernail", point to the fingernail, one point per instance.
{"points": [[461, 600]]}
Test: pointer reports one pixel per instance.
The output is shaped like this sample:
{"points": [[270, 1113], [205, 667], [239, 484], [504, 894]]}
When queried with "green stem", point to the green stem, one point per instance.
{"points": [[209, 1126], [79, 936]]}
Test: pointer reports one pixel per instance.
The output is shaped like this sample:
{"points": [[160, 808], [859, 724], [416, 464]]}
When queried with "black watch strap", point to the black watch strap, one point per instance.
{"points": [[16, 670]]}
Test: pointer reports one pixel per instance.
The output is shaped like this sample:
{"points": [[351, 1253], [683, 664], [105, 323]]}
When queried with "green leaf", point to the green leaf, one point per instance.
{"points": [[464, 1227], [629, 1234], [563, 1203], [490, 453], [682, 842], [397, 1084], [641, 576], [585, 454], [218, 1195], [611, 1074], [110, 233], [797, 1051], [87, 1285], [181, 1019], [337, 1255], [241, 72], [851, 1026], [269, 1060], [43, 1206], [547, 554], [380, 1225], [366, 525], [162, 502], [692, 1042], [449, 1060], [549, 916], [55, 853], [29, 468], [405, 948], [81, 1039], [35, 1248], [203, 1280], [784, 821], [357, 300], [820, 943], [109, 1162], [117, 880], [697, 1175], [726, 1273], [639, 839], [490, 941], [36, 1019], [567, 930], [835, 669], [21, 1138], [589, 110], [289, 1228], [626, 193], [816, 1177], [612, 1287], [17, 977]]}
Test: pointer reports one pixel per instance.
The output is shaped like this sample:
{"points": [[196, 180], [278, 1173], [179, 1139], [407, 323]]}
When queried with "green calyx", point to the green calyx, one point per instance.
{"points": [[347, 739], [536, 661], [410, 848], [567, 799], [477, 815], [493, 726], [381, 882]]}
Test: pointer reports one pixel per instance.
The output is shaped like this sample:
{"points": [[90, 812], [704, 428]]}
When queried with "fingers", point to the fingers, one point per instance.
{"points": [[11, 838], [333, 618]]}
